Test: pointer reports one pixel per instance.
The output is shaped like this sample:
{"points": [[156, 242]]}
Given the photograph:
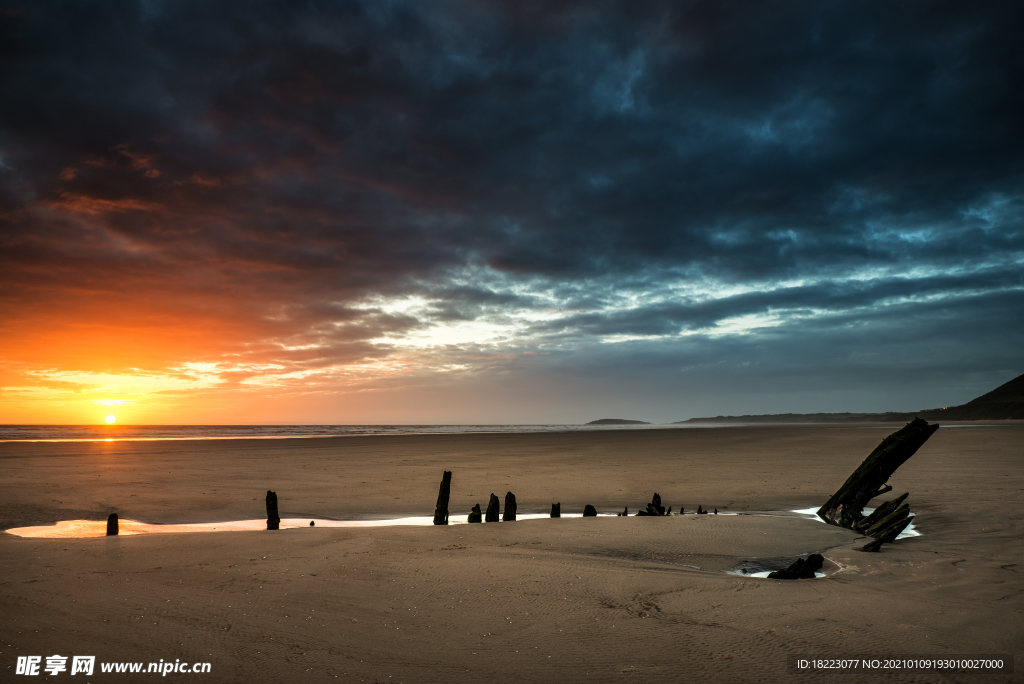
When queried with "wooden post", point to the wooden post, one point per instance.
{"points": [[589, 511], [492, 509], [510, 508], [273, 519], [556, 510], [475, 515], [112, 526], [443, 494]]}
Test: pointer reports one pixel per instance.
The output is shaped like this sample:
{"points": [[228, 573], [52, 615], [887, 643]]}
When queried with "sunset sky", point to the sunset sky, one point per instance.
{"points": [[481, 212]]}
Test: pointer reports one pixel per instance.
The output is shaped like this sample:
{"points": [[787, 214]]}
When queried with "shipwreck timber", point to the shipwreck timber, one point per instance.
{"points": [[846, 507]]}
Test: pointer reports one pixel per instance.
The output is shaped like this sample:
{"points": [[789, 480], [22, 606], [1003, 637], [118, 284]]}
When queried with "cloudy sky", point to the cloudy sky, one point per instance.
{"points": [[485, 211]]}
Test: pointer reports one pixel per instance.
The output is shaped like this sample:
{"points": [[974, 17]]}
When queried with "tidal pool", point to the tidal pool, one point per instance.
{"points": [[66, 529], [98, 528]]}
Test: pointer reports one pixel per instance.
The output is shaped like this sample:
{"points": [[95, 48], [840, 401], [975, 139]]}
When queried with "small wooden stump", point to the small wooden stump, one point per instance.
{"points": [[510, 508], [653, 508], [112, 526], [589, 511], [802, 568], [443, 494], [556, 510], [475, 515], [273, 519]]}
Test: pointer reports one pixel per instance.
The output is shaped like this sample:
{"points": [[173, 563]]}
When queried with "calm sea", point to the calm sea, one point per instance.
{"points": [[77, 433]]}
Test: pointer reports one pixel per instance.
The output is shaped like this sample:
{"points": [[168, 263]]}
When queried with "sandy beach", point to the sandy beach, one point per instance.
{"points": [[597, 600]]}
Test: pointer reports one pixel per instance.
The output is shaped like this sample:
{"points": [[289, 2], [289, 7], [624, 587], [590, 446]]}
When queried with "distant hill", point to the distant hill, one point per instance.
{"points": [[1005, 402], [617, 421]]}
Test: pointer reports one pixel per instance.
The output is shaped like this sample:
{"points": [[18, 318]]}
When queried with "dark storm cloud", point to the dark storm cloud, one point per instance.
{"points": [[283, 163]]}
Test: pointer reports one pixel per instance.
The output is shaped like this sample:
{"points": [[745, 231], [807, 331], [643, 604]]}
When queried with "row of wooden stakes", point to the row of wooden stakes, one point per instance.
{"points": [[509, 514]]}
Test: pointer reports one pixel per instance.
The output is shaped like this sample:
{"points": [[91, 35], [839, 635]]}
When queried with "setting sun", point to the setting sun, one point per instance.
{"points": [[111, 419]]}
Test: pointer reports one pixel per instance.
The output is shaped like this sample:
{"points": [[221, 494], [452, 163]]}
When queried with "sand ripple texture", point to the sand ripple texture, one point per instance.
{"points": [[571, 600]]}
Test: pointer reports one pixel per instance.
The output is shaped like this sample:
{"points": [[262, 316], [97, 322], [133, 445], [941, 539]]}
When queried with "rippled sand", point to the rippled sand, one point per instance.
{"points": [[602, 599]]}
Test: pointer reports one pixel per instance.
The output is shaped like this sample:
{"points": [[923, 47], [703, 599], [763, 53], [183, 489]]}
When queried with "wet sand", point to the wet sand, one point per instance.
{"points": [[605, 599]]}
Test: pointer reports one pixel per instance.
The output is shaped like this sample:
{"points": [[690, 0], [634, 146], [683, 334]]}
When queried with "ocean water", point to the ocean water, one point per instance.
{"points": [[94, 433]]}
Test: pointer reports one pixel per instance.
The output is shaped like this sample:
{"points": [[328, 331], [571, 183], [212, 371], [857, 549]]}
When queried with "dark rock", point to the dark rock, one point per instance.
{"points": [[493, 507], [112, 526], [312, 523], [801, 568], [556, 510], [475, 515], [669, 511], [589, 511], [625, 512], [273, 519], [510, 508], [443, 494], [701, 511]]}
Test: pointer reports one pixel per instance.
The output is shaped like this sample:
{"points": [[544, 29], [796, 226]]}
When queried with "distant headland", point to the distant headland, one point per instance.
{"points": [[617, 421], [1005, 402]]}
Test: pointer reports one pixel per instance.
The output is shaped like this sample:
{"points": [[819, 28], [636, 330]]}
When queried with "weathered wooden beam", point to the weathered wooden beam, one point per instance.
{"points": [[556, 510], [273, 519], [845, 507], [443, 494], [886, 522], [475, 515], [888, 535], [112, 525], [880, 512]]}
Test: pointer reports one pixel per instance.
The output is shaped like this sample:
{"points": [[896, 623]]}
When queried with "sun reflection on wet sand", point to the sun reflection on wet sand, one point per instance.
{"points": [[67, 529]]}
